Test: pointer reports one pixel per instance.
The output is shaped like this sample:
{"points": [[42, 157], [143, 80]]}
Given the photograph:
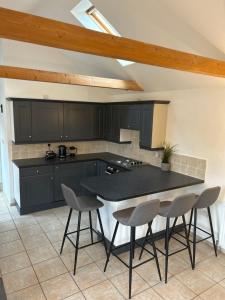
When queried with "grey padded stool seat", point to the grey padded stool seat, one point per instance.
{"points": [[175, 209], [81, 204], [142, 214], [204, 200]]}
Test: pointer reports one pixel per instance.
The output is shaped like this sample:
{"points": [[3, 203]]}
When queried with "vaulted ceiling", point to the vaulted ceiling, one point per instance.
{"points": [[192, 26]]}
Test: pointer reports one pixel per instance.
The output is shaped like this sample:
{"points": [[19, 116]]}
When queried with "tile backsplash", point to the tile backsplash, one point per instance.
{"points": [[180, 163]]}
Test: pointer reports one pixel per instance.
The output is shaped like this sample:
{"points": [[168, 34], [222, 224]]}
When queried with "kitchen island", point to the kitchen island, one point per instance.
{"points": [[127, 189]]}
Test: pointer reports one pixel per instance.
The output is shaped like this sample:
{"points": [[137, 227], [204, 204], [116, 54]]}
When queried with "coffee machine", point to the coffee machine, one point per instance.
{"points": [[62, 151]]}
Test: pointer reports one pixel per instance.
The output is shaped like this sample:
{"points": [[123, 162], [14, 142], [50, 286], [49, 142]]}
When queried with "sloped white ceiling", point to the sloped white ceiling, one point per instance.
{"points": [[192, 26]]}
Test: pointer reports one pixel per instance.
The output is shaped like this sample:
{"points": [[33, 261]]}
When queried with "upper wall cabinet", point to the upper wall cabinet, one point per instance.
{"points": [[130, 116], [47, 121], [153, 125], [82, 121], [37, 121], [22, 121]]}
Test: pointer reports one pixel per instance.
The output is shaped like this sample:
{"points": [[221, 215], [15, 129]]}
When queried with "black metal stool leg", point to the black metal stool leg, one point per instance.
{"points": [[212, 231], [167, 247], [154, 250], [194, 236], [66, 229], [187, 240], [190, 221], [132, 238], [77, 242], [172, 229], [145, 240], [134, 242], [102, 231], [111, 245], [91, 230]]}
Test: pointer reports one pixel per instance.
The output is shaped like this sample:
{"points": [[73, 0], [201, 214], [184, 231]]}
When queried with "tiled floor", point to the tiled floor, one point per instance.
{"points": [[32, 268]]}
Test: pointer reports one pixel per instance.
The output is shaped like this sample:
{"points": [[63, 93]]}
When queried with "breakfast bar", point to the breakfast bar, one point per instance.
{"points": [[127, 189]]}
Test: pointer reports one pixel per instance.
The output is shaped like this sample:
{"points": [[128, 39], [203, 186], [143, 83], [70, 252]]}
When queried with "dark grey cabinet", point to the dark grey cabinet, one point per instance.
{"points": [[36, 188], [82, 121], [71, 175], [130, 116], [112, 123], [47, 121], [22, 121], [146, 125]]}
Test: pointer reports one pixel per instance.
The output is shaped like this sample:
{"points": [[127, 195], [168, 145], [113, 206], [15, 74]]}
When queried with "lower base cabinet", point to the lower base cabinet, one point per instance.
{"points": [[39, 188]]}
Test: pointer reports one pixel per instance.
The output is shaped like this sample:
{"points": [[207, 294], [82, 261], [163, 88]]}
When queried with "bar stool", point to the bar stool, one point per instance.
{"points": [[204, 200], [175, 209], [81, 204], [143, 214]]}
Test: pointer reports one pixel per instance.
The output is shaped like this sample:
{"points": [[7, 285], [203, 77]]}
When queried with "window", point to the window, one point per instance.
{"points": [[91, 18]]}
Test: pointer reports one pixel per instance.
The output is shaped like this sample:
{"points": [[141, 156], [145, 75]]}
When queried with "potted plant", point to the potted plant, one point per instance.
{"points": [[168, 150]]}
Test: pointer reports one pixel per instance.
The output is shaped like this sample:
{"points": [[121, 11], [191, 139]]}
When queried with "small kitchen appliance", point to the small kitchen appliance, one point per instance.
{"points": [[50, 154], [62, 151]]}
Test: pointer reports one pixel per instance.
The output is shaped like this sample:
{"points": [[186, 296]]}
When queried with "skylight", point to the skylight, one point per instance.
{"points": [[87, 14]]}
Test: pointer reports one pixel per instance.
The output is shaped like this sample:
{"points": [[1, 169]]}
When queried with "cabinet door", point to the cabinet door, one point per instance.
{"points": [[36, 190], [115, 123], [22, 121], [130, 116], [47, 121], [146, 125], [71, 175], [81, 121], [107, 128]]}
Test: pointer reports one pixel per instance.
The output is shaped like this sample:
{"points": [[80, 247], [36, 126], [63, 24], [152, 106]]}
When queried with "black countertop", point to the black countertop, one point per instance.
{"points": [[140, 181], [37, 162], [135, 182]]}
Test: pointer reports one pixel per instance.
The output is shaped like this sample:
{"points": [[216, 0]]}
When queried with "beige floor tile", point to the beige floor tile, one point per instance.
{"points": [[6, 226], [176, 264], [31, 293], [195, 280], [14, 262], [28, 231], [9, 236], [55, 235], [217, 292], [49, 269], [82, 260], [212, 268], [149, 273], [24, 221], [174, 289], [59, 287], [45, 217], [149, 294], [42, 253], [103, 291], [115, 267], [11, 248], [68, 247], [5, 217], [88, 276], [52, 225], [31, 242], [96, 252], [77, 296], [121, 282], [18, 280]]}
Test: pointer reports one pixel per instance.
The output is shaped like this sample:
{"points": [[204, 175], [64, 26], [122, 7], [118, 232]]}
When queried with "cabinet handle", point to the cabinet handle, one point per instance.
{"points": [[30, 136], [52, 178], [37, 171], [61, 136], [66, 136], [56, 167]]}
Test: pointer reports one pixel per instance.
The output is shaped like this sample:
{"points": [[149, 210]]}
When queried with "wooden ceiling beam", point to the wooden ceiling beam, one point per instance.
{"points": [[42, 31], [64, 78]]}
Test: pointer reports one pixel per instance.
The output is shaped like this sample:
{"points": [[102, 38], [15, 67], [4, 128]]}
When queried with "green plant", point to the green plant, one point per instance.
{"points": [[168, 150]]}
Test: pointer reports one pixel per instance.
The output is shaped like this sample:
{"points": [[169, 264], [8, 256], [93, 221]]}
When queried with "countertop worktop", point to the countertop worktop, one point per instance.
{"points": [[37, 162], [140, 181], [135, 182]]}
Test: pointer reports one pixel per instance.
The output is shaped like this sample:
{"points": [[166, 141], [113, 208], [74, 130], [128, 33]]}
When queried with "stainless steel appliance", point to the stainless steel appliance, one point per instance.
{"points": [[62, 151], [129, 163]]}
